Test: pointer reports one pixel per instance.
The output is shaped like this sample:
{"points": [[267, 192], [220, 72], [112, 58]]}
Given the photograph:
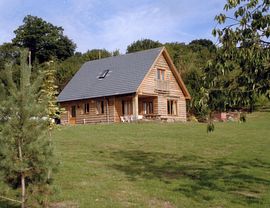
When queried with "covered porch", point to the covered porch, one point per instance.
{"points": [[139, 107]]}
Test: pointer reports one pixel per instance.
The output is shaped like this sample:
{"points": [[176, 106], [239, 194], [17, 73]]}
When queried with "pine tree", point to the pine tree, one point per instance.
{"points": [[25, 153]]}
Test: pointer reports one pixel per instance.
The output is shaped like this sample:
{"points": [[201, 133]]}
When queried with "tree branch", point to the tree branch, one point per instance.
{"points": [[9, 199], [266, 42]]}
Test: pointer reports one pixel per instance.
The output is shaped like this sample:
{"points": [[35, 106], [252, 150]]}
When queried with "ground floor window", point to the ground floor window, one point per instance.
{"points": [[126, 107], [73, 111], [100, 107], [86, 108], [172, 107], [148, 107]]}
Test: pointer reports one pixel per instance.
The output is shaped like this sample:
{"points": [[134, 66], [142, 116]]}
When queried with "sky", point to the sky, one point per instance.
{"points": [[114, 24]]}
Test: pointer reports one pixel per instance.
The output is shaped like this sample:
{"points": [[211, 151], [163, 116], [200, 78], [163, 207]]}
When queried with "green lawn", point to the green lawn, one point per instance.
{"points": [[165, 165]]}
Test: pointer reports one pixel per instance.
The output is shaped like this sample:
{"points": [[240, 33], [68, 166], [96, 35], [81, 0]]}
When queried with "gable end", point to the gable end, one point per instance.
{"points": [[172, 68]]}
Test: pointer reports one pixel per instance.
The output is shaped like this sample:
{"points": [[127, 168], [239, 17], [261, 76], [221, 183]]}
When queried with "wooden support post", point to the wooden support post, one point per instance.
{"points": [[135, 105], [107, 110]]}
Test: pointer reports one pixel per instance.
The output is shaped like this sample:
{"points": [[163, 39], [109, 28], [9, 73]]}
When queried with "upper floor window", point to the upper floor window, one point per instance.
{"points": [[160, 74]]}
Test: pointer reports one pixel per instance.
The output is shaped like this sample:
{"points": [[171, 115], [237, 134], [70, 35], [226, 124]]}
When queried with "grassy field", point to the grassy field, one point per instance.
{"points": [[164, 165]]}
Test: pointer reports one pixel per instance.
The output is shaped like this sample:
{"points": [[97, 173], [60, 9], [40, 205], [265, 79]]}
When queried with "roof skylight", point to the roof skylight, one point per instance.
{"points": [[104, 74]]}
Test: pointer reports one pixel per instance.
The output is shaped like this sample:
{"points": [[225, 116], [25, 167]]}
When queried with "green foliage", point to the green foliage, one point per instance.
{"points": [[43, 39], [116, 52], [179, 53], [200, 44], [190, 61], [210, 127], [243, 117], [245, 43], [65, 70], [8, 53], [25, 153], [143, 44], [96, 54], [49, 91], [262, 103], [240, 72]]}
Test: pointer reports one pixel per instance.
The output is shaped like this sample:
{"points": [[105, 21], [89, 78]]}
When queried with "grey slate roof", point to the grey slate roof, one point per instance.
{"points": [[125, 75]]}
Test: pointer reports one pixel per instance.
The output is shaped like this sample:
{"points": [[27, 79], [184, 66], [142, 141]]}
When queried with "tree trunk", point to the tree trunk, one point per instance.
{"points": [[50, 143], [23, 191], [22, 178]]}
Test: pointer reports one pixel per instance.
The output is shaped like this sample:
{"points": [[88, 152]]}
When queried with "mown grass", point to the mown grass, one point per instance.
{"points": [[164, 165]]}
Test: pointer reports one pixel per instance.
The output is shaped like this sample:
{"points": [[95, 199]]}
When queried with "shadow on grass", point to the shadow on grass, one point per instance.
{"points": [[203, 177]]}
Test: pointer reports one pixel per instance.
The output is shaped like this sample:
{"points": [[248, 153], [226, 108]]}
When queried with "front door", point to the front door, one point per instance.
{"points": [[72, 119]]}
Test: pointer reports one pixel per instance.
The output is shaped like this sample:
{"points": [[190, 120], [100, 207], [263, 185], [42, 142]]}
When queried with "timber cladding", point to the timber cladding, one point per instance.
{"points": [[174, 92], [107, 115], [160, 94]]}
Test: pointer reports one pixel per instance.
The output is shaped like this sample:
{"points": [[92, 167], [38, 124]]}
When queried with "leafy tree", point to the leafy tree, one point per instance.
{"points": [[199, 44], [190, 62], [116, 52], [194, 83], [241, 69], [178, 52], [245, 47], [43, 39], [96, 54], [65, 70], [8, 53], [25, 153], [143, 44]]}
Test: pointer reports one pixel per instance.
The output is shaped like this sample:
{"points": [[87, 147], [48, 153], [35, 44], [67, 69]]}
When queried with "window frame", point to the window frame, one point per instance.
{"points": [[103, 74], [73, 112], [86, 108], [147, 107], [127, 108], [172, 109], [160, 74], [100, 107]]}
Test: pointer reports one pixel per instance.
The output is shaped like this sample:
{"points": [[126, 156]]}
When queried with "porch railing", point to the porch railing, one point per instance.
{"points": [[162, 85]]}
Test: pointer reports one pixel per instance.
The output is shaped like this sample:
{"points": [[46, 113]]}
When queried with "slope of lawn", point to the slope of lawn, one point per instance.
{"points": [[164, 165]]}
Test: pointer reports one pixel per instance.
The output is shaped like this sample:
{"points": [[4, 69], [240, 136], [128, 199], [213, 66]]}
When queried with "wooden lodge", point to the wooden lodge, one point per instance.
{"points": [[135, 86]]}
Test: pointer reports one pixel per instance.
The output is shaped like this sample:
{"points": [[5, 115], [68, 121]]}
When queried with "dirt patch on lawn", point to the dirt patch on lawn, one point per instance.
{"points": [[64, 205], [154, 203]]}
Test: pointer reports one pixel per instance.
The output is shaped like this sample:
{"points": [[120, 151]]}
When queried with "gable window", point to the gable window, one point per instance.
{"points": [[126, 107], [148, 108], [100, 107], [160, 74], [172, 107], [86, 108]]}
